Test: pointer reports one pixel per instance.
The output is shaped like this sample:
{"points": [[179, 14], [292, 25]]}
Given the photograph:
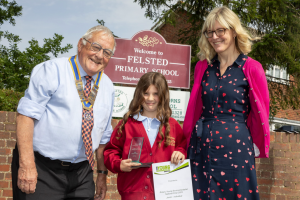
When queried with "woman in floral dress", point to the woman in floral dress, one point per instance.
{"points": [[228, 112]]}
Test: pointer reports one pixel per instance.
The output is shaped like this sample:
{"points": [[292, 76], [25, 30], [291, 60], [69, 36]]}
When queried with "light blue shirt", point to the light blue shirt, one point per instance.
{"points": [[151, 126], [53, 101]]}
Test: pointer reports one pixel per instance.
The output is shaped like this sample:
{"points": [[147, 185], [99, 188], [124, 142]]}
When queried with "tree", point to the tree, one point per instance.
{"points": [[277, 22], [16, 65]]}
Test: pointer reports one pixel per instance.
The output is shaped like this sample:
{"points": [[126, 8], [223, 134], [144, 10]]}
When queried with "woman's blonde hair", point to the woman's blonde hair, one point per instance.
{"points": [[164, 111], [229, 20]]}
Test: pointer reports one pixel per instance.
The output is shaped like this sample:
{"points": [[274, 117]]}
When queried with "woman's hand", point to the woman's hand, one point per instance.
{"points": [[176, 157], [127, 164]]}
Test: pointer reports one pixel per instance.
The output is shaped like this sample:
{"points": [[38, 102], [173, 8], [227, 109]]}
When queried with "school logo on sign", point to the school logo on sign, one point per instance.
{"points": [[121, 101]]}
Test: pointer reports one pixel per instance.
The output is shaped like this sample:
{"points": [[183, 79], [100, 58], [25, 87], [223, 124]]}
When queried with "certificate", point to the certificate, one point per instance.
{"points": [[173, 181]]}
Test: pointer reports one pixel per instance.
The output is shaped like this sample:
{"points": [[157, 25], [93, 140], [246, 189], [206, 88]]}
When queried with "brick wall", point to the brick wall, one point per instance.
{"points": [[278, 176]]}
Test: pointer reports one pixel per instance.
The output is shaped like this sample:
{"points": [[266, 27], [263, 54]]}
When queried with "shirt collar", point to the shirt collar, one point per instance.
{"points": [[239, 61], [82, 72], [141, 118]]}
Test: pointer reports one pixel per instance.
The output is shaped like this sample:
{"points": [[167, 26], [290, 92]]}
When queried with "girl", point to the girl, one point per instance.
{"points": [[149, 116]]}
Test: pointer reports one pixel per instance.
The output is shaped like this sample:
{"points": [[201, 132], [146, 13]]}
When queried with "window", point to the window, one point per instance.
{"points": [[279, 122], [276, 74]]}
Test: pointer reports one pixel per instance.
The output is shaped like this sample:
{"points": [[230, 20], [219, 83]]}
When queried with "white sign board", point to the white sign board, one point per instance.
{"points": [[172, 181], [123, 96]]}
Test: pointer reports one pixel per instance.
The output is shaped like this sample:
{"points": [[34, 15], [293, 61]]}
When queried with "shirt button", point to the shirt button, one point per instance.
{"points": [[145, 197], [148, 176], [146, 187], [150, 154]]}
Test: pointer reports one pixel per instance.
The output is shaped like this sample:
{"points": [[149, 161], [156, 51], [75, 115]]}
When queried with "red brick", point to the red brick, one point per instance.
{"points": [[4, 135], [272, 138], [4, 168], [267, 196], [280, 161], [295, 147], [264, 160], [2, 160], [279, 153], [297, 185], [289, 184], [5, 151], [113, 180], [11, 117], [267, 182], [2, 116], [107, 196], [293, 169], [263, 189], [264, 167], [295, 155], [7, 176], [293, 138], [13, 135], [9, 159], [3, 184], [278, 183], [7, 193], [1, 176], [278, 136], [280, 197], [11, 143], [280, 146], [10, 127], [286, 176], [115, 196], [285, 137], [1, 126], [108, 181], [2, 143], [265, 174]]}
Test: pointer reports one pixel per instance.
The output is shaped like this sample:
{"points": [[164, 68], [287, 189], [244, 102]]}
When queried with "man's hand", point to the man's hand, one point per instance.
{"points": [[126, 165], [27, 179], [176, 157], [100, 187]]}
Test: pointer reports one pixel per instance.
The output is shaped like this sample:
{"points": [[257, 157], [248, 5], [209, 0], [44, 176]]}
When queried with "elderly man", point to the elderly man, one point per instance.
{"points": [[63, 118]]}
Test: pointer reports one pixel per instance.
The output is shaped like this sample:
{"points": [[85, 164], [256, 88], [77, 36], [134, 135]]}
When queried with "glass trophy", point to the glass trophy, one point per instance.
{"points": [[136, 150]]}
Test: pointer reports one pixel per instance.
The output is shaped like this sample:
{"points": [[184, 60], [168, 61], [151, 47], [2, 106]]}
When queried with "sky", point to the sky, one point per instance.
{"points": [[72, 18]]}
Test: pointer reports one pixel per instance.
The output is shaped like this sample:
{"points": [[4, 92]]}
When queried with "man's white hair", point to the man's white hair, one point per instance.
{"points": [[99, 28]]}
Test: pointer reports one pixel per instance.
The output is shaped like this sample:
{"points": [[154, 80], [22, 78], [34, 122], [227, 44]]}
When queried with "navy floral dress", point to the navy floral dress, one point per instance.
{"points": [[223, 164]]}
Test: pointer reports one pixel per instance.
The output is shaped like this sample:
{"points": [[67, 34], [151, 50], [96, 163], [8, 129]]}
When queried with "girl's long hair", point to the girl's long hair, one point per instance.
{"points": [[163, 110]]}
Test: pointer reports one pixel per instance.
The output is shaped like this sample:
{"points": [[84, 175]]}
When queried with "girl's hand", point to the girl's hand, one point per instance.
{"points": [[176, 157], [127, 164]]}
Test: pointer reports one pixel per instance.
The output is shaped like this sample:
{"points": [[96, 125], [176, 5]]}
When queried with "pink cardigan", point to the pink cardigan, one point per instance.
{"points": [[258, 119]]}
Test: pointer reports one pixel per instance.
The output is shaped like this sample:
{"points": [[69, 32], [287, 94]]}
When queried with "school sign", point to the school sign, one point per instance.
{"points": [[147, 51]]}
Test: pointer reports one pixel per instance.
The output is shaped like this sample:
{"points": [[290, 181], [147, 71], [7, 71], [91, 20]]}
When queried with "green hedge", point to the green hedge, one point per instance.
{"points": [[9, 100]]}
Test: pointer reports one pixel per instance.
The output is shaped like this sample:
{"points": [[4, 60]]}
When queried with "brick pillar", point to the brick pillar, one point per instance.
{"points": [[279, 176], [7, 144]]}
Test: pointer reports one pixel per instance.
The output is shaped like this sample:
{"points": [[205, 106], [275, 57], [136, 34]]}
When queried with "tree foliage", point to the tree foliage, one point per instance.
{"points": [[276, 21], [16, 65]]}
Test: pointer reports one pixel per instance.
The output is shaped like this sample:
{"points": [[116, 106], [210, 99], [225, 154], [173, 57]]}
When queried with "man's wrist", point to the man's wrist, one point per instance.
{"points": [[102, 172]]}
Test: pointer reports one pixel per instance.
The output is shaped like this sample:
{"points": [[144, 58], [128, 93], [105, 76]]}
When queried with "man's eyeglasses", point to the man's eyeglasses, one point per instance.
{"points": [[95, 47], [219, 32]]}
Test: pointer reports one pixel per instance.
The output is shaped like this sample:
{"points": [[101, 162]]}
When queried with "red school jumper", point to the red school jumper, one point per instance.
{"points": [[138, 184]]}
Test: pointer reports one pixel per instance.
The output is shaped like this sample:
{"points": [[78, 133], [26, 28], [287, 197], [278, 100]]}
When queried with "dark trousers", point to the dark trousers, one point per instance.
{"points": [[56, 182]]}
